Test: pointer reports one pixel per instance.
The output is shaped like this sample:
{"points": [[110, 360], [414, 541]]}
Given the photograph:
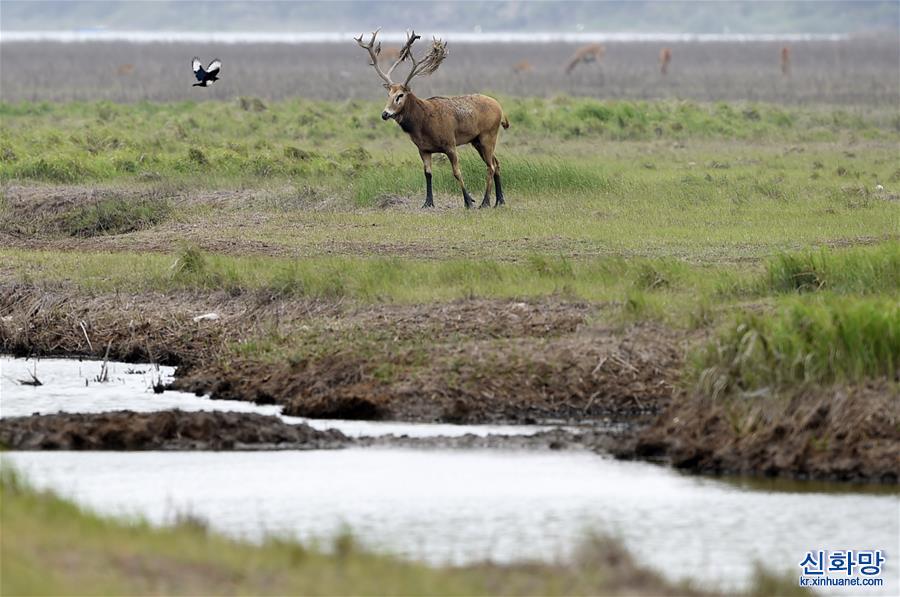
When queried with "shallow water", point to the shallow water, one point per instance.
{"points": [[463, 506], [457, 506], [69, 386]]}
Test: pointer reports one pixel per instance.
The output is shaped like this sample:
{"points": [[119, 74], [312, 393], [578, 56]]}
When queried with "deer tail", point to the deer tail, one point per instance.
{"points": [[504, 122]]}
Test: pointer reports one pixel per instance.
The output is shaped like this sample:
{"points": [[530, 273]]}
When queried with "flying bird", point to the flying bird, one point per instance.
{"points": [[207, 75]]}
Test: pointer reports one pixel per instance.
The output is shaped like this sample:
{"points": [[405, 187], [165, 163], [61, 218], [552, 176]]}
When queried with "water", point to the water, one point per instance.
{"points": [[444, 506], [238, 37], [463, 506], [69, 386]]}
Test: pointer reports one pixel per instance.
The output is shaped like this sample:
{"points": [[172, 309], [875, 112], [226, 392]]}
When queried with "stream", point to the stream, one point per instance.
{"points": [[442, 506]]}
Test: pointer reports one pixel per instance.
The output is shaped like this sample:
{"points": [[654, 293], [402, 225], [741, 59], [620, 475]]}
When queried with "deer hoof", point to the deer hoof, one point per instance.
{"points": [[427, 204]]}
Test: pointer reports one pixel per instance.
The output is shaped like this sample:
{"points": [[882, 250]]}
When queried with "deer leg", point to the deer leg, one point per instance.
{"points": [[499, 201], [429, 197], [457, 174], [488, 158]]}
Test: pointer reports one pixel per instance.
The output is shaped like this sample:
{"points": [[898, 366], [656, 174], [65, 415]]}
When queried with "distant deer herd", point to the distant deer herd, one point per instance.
{"points": [[593, 53], [441, 124]]}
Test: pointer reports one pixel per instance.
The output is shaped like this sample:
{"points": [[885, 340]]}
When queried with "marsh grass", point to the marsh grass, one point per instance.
{"points": [[863, 270], [665, 289], [521, 176], [805, 341], [375, 279], [101, 141], [115, 216], [107, 216]]}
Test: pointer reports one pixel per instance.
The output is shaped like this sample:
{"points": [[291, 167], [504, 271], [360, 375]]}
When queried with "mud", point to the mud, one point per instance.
{"points": [[467, 361], [59, 320], [470, 361], [840, 434], [211, 431], [165, 430], [596, 373]]}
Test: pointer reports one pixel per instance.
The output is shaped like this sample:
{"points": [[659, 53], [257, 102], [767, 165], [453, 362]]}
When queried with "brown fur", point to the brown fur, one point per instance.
{"points": [[389, 55], [786, 61], [441, 124], [665, 57], [585, 54], [523, 66]]}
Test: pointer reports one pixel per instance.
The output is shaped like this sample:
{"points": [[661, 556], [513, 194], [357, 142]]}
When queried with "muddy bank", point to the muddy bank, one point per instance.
{"points": [[840, 434], [466, 361], [166, 430], [209, 431], [595, 373], [146, 327]]}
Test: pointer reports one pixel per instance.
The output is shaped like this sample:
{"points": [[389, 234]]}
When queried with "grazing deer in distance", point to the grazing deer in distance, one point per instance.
{"points": [[585, 54], [440, 124], [388, 55], [786, 61], [665, 57], [523, 66]]}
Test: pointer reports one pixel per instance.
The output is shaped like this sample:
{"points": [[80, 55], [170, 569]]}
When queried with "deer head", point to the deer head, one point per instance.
{"points": [[399, 92]]}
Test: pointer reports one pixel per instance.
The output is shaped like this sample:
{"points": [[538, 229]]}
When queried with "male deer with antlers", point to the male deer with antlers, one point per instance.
{"points": [[440, 124]]}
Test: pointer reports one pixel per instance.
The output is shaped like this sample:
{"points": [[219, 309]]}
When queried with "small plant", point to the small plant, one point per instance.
{"points": [[115, 216], [190, 262], [197, 156]]}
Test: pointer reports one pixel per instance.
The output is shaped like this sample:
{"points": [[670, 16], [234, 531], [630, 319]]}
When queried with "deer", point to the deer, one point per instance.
{"points": [[586, 54], [665, 57], [388, 54], [785, 61], [521, 67], [441, 124]]}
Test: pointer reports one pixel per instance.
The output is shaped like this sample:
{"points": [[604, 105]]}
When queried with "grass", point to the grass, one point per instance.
{"points": [[676, 291], [51, 546], [79, 142], [861, 271], [803, 342], [373, 279]]}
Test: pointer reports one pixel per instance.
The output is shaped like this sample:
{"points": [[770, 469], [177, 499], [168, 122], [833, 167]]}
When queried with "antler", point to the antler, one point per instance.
{"points": [[424, 67], [374, 50], [429, 63]]}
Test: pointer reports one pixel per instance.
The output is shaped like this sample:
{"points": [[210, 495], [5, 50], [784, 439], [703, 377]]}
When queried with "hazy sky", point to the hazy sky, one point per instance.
{"points": [[621, 15]]}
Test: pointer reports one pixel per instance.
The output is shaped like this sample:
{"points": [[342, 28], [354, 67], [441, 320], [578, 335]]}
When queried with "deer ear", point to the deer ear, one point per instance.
{"points": [[385, 85]]}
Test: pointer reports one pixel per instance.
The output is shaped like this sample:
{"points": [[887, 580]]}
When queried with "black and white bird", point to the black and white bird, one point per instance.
{"points": [[207, 75]]}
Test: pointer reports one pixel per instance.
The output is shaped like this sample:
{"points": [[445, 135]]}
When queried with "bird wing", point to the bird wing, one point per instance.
{"points": [[198, 69], [214, 67]]}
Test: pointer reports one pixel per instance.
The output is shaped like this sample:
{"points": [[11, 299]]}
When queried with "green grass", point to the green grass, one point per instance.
{"points": [[107, 216], [805, 341], [861, 271], [375, 279], [201, 142], [676, 291]]}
